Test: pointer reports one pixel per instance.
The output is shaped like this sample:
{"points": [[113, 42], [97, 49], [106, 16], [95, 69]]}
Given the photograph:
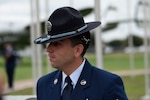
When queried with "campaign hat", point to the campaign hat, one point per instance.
{"points": [[63, 23]]}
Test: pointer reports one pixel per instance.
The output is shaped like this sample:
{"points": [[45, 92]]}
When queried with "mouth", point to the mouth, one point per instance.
{"points": [[51, 57]]}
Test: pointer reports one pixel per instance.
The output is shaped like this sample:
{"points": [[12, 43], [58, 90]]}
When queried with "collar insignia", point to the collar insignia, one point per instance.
{"points": [[55, 81], [83, 82]]}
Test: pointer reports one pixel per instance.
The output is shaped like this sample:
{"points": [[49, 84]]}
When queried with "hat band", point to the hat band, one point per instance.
{"points": [[60, 35]]}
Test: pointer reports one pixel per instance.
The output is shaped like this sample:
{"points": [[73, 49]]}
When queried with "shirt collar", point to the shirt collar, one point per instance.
{"points": [[75, 75]]}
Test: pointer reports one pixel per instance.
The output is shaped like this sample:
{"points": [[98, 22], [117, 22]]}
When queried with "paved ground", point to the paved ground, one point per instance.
{"points": [[20, 97], [19, 85], [129, 72]]}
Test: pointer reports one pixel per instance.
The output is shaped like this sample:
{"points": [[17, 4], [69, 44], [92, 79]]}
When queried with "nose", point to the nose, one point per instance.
{"points": [[50, 48]]}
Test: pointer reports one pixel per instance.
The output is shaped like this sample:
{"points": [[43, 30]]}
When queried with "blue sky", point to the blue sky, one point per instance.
{"points": [[15, 14]]}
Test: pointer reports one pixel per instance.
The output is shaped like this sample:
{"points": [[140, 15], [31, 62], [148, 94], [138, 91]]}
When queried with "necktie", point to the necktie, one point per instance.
{"points": [[66, 95]]}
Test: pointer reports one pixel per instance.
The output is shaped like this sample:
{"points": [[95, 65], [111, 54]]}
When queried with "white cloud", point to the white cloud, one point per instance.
{"points": [[14, 14]]}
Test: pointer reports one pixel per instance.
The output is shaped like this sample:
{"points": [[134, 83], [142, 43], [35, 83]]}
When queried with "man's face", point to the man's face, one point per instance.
{"points": [[61, 54]]}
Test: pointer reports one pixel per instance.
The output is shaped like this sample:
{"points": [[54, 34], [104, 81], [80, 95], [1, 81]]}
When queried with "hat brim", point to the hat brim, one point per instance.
{"points": [[90, 26]]}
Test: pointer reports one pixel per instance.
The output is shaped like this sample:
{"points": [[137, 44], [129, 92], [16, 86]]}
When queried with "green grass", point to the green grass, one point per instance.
{"points": [[135, 87], [112, 62], [27, 91], [121, 61], [118, 61]]}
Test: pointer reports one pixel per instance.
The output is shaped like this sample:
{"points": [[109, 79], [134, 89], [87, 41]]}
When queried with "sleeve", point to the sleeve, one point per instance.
{"points": [[116, 90]]}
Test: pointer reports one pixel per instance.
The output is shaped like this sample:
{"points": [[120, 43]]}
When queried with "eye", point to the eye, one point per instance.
{"points": [[55, 43]]}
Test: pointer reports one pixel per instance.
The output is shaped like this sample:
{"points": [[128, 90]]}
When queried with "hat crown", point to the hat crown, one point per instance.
{"points": [[65, 22], [65, 19]]}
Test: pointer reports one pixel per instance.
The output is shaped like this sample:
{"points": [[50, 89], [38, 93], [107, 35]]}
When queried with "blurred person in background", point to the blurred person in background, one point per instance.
{"points": [[1, 85], [9, 54]]}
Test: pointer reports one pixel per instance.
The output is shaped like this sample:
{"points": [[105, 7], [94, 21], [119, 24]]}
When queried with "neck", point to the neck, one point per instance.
{"points": [[70, 69]]}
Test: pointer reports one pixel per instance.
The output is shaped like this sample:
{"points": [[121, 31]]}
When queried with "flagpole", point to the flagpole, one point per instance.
{"points": [[130, 41], [38, 49], [49, 69], [33, 55], [146, 63], [98, 40]]}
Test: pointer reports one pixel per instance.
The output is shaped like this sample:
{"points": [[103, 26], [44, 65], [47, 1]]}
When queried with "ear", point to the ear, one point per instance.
{"points": [[78, 50]]}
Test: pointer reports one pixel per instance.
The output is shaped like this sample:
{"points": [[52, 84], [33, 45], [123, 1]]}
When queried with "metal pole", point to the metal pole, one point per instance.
{"points": [[130, 41], [39, 49], [49, 69], [149, 20], [146, 64], [33, 55], [98, 40]]}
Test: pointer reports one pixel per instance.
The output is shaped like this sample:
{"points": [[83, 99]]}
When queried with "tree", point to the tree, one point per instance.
{"points": [[117, 45], [137, 41]]}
